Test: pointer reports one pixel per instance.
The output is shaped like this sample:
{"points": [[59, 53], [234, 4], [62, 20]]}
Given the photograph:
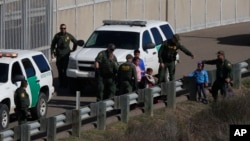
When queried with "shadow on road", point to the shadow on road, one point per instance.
{"points": [[239, 40]]}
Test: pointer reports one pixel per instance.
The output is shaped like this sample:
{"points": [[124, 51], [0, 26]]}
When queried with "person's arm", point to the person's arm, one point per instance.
{"points": [[210, 62], [134, 74], [53, 46], [142, 66], [229, 75], [206, 76], [74, 41], [161, 51], [185, 50]]}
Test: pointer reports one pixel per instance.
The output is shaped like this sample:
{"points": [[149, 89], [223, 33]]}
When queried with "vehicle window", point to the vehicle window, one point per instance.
{"points": [[41, 63], [29, 69], [167, 31], [146, 38], [16, 70], [157, 36], [122, 40], [4, 72]]}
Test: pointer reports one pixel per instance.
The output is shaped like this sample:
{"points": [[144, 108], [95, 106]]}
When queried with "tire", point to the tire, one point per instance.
{"points": [[41, 108], [4, 116]]}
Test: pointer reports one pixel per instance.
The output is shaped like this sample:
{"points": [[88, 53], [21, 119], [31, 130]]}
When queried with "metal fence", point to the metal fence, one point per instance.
{"points": [[26, 24]]}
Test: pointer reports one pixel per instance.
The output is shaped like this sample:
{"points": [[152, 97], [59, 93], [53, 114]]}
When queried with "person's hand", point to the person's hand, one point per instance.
{"points": [[227, 80], [192, 56], [206, 84], [162, 65], [52, 56]]}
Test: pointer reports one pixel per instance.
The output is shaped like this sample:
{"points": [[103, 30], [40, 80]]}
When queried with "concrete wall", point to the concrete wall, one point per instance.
{"points": [[188, 15], [83, 16]]}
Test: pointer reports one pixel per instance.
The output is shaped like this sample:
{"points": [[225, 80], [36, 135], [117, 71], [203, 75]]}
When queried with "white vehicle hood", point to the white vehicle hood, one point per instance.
{"points": [[89, 54]]}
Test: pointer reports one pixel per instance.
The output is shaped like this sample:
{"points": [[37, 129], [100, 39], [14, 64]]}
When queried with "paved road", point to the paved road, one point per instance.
{"points": [[233, 39]]}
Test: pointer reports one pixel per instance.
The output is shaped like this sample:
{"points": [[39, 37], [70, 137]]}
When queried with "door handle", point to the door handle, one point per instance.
{"points": [[154, 53], [37, 81]]}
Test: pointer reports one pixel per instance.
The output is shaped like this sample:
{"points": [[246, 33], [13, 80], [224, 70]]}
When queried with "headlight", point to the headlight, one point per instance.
{"points": [[72, 64]]}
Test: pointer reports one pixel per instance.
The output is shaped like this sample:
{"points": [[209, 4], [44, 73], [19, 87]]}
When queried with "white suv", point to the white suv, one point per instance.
{"points": [[127, 35], [34, 67]]}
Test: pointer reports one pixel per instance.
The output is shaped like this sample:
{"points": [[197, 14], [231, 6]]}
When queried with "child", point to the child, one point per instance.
{"points": [[201, 76], [136, 61], [148, 80]]}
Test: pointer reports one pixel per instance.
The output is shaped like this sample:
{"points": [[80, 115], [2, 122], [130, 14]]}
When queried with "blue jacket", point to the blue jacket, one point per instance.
{"points": [[142, 66], [200, 75]]}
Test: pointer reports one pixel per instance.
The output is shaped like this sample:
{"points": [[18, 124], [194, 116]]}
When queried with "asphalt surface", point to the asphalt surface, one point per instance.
{"points": [[234, 39]]}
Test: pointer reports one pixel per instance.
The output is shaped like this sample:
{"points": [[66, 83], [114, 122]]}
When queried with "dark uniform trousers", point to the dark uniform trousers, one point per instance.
{"points": [[22, 116], [106, 87], [62, 64], [125, 87], [171, 70], [219, 84]]}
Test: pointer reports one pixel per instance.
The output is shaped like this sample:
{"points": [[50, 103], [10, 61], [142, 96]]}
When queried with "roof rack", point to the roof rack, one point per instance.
{"points": [[119, 22], [8, 54]]}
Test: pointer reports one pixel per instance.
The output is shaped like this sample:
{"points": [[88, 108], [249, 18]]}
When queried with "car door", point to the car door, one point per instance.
{"points": [[33, 81]]}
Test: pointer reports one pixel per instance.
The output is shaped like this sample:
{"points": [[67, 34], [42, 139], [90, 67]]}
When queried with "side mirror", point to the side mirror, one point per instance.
{"points": [[148, 46], [80, 42]]}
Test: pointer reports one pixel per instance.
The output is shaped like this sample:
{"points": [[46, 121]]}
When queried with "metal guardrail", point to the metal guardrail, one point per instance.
{"points": [[97, 110]]}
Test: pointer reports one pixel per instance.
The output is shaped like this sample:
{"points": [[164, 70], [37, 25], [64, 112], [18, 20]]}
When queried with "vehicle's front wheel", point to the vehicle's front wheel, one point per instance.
{"points": [[4, 116], [41, 107]]}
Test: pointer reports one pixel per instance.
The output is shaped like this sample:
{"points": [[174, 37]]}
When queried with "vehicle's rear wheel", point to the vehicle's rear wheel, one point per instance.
{"points": [[4, 116], [41, 107]]}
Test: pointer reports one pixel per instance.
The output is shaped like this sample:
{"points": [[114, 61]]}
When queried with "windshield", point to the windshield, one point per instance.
{"points": [[122, 40], [4, 72]]}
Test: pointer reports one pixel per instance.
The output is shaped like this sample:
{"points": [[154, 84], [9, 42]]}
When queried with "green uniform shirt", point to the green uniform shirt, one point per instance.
{"points": [[107, 67], [60, 44], [127, 72], [168, 51], [223, 68], [21, 99]]}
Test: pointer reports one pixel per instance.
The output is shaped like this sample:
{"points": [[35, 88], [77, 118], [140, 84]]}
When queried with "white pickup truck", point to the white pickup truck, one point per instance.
{"points": [[32, 66], [127, 35]]}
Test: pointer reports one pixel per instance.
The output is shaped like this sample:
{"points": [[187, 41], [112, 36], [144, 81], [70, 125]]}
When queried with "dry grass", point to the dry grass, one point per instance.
{"points": [[191, 121]]}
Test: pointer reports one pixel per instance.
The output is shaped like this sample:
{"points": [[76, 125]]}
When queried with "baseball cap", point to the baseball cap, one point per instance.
{"points": [[176, 36], [129, 56], [221, 52], [24, 83], [199, 63], [111, 46]]}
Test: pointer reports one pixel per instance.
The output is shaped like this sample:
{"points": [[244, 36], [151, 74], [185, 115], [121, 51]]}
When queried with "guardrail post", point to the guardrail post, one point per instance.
{"points": [[76, 123], [164, 88], [125, 108], [190, 85], [43, 124], [101, 116], [236, 76], [171, 95], [25, 132], [51, 129], [78, 100], [17, 132], [149, 102]]}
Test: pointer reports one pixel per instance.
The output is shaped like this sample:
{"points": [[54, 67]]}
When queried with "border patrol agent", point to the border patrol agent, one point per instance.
{"points": [[127, 77], [61, 49], [106, 68], [223, 74], [22, 102], [167, 57]]}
